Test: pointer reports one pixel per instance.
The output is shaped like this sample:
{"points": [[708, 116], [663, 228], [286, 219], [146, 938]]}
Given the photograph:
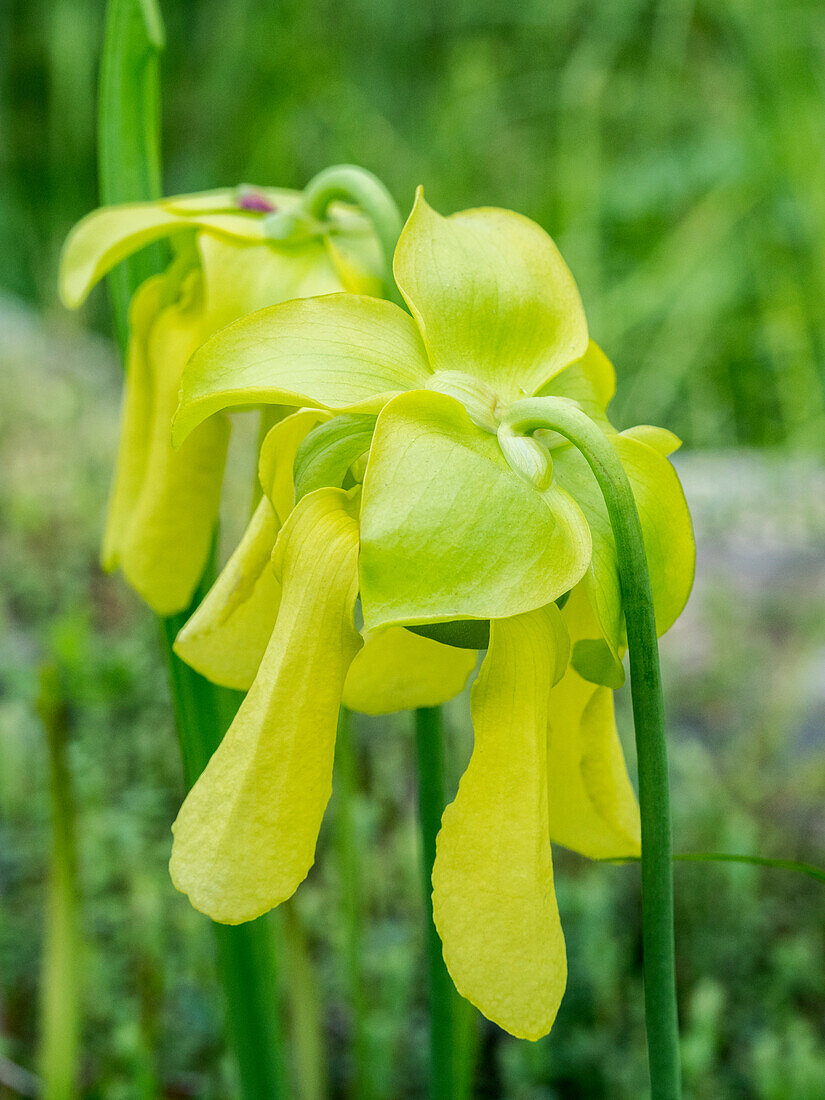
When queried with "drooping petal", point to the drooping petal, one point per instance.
{"points": [[493, 899], [108, 235], [660, 439], [666, 527], [341, 352], [170, 531], [245, 836], [449, 531], [492, 296], [593, 807], [398, 670], [227, 636], [135, 418]]}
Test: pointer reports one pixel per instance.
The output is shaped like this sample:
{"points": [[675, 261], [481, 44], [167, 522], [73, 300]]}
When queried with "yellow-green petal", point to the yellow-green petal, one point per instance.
{"points": [[593, 807], [492, 296], [106, 236], [398, 670], [241, 277], [660, 439], [135, 418], [341, 352], [227, 636], [170, 532], [493, 899], [449, 531], [245, 836]]}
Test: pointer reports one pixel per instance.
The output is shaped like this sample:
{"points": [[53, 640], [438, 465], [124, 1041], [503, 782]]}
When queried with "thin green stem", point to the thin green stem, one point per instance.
{"points": [[129, 168], [430, 769], [565, 417], [348, 183], [352, 888]]}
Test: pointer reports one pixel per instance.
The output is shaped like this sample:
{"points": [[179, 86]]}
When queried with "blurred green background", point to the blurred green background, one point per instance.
{"points": [[676, 152]]}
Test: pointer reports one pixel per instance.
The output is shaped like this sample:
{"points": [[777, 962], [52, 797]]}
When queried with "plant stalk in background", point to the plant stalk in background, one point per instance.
{"points": [[129, 160]]}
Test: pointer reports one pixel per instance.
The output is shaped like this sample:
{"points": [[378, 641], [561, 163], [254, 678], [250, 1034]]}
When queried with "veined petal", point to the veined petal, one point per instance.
{"points": [[341, 352], [277, 457], [170, 532], [493, 899], [593, 807], [135, 418], [449, 531], [240, 277], [227, 636], [666, 527], [245, 836], [398, 670], [492, 296], [357, 260], [106, 236]]}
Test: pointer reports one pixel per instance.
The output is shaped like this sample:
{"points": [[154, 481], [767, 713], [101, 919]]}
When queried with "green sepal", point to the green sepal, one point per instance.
{"points": [[596, 662], [461, 634], [323, 458]]}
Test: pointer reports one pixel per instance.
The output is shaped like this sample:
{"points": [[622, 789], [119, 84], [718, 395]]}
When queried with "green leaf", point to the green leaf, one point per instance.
{"points": [[449, 531], [342, 352], [492, 296]]}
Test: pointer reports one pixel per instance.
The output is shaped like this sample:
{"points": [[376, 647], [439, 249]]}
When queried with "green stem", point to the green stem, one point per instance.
{"points": [[349, 863], [129, 167], [430, 769], [565, 417], [348, 183]]}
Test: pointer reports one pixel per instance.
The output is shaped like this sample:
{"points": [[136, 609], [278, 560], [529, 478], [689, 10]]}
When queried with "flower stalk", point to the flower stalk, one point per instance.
{"points": [[129, 170], [566, 418]]}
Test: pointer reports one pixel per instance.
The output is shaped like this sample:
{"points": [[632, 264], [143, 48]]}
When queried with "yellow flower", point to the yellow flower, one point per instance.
{"points": [[401, 481], [164, 503]]}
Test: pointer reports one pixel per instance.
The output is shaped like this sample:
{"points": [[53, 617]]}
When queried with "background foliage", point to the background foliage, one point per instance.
{"points": [[676, 150]]}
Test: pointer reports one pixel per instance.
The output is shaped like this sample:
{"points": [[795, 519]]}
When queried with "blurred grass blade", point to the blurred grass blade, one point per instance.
{"points": [[60, 978], [129, 169], [128, 133], [303, 1000]]}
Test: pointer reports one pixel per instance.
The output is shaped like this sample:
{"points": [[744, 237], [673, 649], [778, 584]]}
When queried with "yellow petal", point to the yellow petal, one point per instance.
{"points": [[398, 670], [240, 277], [493, 899], [170, 532], [227, 636], [106, 236], [593, 807], [245, 836], [135, 418], [277, 457]]}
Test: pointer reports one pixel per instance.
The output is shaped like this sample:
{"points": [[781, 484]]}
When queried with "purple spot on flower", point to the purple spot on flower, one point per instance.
{"points": [[256, 202]]}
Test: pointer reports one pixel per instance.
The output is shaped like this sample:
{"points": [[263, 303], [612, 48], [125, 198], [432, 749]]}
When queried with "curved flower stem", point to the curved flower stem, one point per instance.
{"points": [[566, 418], [430, 767], [129, 169], [348, 183]]}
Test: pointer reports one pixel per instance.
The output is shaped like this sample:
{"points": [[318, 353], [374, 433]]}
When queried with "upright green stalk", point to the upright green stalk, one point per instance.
{"points": [[129, 165], [430, 761], [565, 417]]}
